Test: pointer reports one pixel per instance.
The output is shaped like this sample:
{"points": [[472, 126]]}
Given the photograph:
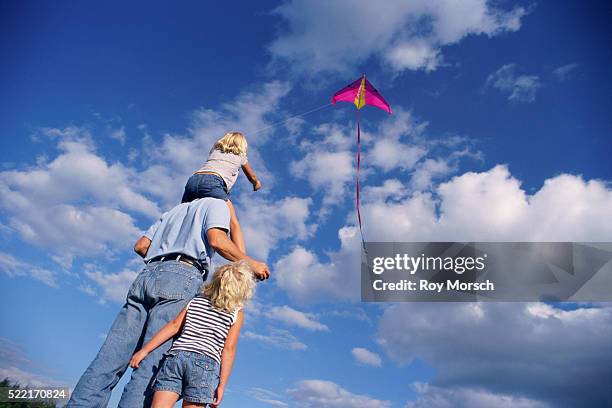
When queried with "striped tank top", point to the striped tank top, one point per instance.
{"points": [[205, 328]]}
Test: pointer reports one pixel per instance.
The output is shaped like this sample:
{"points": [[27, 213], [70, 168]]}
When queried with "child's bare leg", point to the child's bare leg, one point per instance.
{"points": [[235, 230], [164, 399], [187, 404]]}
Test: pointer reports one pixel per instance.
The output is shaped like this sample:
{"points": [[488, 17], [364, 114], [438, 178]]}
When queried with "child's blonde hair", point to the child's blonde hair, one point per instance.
{"points": [[231, 286], [232, 142]]}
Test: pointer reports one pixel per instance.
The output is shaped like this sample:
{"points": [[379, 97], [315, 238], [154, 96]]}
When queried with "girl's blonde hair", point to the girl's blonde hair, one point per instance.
{"points": [[231, 286], [232, 142]]}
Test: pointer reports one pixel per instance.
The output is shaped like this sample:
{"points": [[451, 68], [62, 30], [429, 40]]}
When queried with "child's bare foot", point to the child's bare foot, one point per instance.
{"points": [[256, 185]]}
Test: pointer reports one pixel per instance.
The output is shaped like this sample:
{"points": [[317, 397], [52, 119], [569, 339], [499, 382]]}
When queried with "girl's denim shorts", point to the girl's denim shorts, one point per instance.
{"points": [[193, 376], [205, 185]]}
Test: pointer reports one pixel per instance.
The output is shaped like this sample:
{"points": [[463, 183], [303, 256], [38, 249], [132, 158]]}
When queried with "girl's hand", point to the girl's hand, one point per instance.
{"points": [[137, 358], [256, 185], [218, 396]]}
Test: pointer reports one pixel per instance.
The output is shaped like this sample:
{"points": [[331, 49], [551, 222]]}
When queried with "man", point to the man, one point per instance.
{"points": [[177, 251]]}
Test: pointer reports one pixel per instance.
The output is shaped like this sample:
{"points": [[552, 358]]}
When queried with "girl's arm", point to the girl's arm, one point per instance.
{"points": [[250, 174], [165, 333], [227, 357]]}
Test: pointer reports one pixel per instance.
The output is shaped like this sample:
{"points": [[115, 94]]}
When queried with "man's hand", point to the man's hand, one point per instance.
{"points": [[137, 358], [260, 269], [217, 238]]}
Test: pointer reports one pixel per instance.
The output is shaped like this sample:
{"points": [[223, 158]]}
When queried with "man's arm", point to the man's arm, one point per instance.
{"points": [[235, 230], [217, 238], [141, 247]]}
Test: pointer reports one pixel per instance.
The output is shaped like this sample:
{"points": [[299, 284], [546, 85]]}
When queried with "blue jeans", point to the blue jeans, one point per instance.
{"points": [[156, 296], [205, 185], [193, 376]]}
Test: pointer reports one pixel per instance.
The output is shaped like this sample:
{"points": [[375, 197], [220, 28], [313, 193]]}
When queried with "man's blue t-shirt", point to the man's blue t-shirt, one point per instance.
{"points": [[183, 229]]}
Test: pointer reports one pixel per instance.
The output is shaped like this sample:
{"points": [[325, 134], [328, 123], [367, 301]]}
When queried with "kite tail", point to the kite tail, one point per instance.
{"points": [[357, 185]]}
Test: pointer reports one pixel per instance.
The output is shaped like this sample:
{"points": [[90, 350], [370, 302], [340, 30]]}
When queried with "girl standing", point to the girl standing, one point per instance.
{"points": [[198, 365]]}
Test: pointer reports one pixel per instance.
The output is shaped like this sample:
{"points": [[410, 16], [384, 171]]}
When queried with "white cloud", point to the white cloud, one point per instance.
{"points": [[277, 338], [460, 397], [13, 267], [353, 313], [267, 397], [114, 285], [367, 357], [563, 72], [24, 378], [87, 231], [484, 206], [566, 208], [302, 274], [75, 204], [265, 222], [87, 289], [337, 36], [392, 189], [428, 170], [78, 173], [518, 88], [11, 354], [330, 171], [414, 55], [528, 353], [119, 135], [389, 154], [328, 162], [63, 260], [293, 317], [397, 144], [321, 393], [19, 368], [491, 205]]}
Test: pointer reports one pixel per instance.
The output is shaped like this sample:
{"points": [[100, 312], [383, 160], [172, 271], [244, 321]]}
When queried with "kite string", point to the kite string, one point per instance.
{"points": [[273, 125]]}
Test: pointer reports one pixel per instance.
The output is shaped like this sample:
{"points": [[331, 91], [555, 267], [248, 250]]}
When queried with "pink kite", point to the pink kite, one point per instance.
{"points": [[361, 93]]}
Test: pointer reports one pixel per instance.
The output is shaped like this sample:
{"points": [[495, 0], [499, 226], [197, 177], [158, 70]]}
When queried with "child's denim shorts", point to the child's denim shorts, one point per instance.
{"points": [[193, 376], [205, 185]]}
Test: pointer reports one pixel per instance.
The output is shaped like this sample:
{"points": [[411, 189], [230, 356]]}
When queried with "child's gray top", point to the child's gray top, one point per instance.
{"points": [[227, 165]]}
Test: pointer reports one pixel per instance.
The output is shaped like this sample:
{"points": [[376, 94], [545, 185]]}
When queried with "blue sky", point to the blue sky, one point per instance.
{"points": [[501, 131]]}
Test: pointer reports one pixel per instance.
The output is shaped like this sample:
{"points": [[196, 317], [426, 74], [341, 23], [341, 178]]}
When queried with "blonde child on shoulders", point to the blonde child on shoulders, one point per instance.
{"points": [[218, 175]]}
